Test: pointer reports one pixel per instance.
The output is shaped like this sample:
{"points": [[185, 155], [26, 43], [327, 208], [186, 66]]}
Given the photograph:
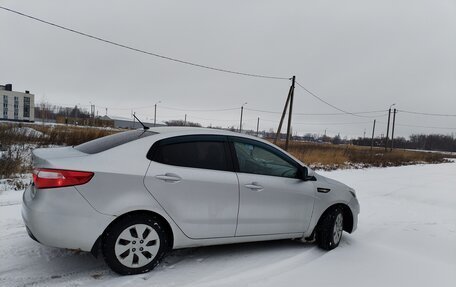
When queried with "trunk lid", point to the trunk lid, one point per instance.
{"points": [[43, 157]]}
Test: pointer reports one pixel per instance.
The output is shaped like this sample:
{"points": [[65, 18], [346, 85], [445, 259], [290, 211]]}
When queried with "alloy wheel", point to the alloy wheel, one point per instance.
{"points": [[338, 228], [137, 245]]}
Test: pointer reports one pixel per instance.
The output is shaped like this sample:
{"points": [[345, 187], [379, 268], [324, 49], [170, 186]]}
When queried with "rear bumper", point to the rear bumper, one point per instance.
{"points": [[62, 218]]}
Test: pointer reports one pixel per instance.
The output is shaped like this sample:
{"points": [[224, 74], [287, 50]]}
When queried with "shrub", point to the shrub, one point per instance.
{"points": [[330, 156], [18, 140]]}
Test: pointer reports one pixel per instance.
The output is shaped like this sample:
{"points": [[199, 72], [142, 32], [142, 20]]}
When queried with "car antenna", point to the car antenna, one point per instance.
{"points": [[144, 126]]}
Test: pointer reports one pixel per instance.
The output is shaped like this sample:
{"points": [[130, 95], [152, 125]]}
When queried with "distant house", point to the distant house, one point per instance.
{"points": [[16, 106]]}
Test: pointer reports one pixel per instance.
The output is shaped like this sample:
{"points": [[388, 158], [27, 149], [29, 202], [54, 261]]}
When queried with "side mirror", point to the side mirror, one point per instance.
{"points": [[307, 175]]}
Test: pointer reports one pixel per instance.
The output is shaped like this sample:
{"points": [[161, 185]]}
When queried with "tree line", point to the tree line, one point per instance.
{"points": [[434, 142]]}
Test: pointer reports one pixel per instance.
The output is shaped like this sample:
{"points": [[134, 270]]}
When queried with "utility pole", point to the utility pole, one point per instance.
{"points": [[155, 114], [373, 132], [258, 125], [240, 123], [289, 99], [133, 119], [290, 113], [282, 117], [392, 131], [242, 112], [387, 129], [185, 120]]}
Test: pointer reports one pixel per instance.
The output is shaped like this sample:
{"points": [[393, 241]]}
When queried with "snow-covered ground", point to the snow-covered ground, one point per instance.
{"points": [[406, 237]]}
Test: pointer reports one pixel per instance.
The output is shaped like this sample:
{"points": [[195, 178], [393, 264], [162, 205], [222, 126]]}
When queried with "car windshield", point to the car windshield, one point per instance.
{"points": [[108, 142]]}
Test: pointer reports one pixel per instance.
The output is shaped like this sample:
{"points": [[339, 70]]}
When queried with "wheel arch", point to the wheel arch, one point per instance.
{"points": [[346, 212], [141, 212]]}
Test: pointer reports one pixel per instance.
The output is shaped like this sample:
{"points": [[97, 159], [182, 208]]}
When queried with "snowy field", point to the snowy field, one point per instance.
{"points": [[406, 237]]}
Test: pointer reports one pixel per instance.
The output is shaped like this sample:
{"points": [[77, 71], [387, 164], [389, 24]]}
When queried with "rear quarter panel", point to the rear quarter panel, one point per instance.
{"points": [[118, 184]]}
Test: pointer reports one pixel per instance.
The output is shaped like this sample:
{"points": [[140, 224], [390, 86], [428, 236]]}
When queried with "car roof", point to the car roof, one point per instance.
{"points": [[195, 130], [177, 131]]}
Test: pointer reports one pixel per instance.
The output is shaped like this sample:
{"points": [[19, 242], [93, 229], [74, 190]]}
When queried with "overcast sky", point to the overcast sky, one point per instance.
{"points": [[358, 55]]}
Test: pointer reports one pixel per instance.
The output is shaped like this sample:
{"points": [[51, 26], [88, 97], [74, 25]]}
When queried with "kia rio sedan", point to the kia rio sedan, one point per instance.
{"points": [[135, 195]]}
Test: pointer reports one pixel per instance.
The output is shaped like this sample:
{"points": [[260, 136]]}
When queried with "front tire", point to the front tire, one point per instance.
{"points": [[134, 244], [330, 230]]}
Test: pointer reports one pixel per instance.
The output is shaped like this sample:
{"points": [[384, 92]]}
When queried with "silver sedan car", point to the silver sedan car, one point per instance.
{"points": [[135, 195]]}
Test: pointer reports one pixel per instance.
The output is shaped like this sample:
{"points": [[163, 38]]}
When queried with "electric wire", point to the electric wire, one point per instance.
{"points": [[426, 127], [329, 104], [198, 110], [332, 124], [320, 123], [317, 114], [142, 51], [419, 126], [427, 114], [357, 114]]}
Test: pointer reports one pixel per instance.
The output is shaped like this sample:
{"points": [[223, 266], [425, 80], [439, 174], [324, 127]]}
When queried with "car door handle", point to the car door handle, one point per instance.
{"points": [[168, 177], [254, 186]]}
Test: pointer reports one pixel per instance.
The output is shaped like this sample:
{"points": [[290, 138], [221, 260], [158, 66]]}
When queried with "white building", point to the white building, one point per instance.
{"points": [[16, 106]]}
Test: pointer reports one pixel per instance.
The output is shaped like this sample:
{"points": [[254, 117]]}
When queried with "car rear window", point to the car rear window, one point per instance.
{"points": [[108, 142]]}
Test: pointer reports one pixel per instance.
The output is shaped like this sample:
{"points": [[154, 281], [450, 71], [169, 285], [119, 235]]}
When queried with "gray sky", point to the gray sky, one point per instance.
{"points": [[358, 55]]}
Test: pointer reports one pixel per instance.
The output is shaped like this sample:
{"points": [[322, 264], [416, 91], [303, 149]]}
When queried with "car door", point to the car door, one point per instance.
{"points": [[193, 180], [273, 199]]}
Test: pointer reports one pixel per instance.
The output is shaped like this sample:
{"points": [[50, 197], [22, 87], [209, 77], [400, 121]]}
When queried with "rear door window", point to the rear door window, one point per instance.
{"points": [[197, 152], [108, 142]]}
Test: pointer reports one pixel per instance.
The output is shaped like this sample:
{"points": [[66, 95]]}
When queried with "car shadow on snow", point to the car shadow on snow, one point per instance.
{"points": [[230, 260], [232, 252]]}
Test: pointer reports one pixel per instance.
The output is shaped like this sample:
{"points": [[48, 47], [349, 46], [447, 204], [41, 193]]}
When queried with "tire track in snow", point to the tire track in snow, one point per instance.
{"points": [[256, 274], [78, 271]]}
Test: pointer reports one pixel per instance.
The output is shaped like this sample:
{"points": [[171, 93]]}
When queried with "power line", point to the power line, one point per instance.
{"points": [[218, 120], [332, 124], [320, 123], [357, 114], [215, 110], [172, 117], [151, 107], [274, 121], [331, 105], [317, 114], [198, 110], [427, 114], [427, 127], [143, 51]]}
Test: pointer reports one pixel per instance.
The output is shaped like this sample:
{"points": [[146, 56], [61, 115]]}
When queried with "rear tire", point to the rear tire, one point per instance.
{"points": [[134, 244], [330, 230]]}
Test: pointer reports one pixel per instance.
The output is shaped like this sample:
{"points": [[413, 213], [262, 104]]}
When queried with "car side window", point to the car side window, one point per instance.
{"points": [[111, 141], [258, 160], [196, 154]]}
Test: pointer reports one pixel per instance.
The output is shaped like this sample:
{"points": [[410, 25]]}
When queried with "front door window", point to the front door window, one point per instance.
{"points": [[258, 160]]}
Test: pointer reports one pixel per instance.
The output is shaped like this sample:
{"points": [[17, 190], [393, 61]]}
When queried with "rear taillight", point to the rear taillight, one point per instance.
{"points": [[51, 178]]}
